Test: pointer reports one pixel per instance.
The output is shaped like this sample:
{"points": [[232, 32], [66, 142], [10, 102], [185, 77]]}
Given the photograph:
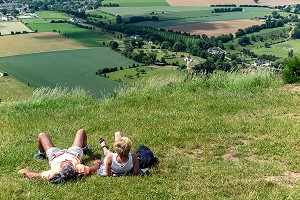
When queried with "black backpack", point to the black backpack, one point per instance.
{"points": [[146, 157]]}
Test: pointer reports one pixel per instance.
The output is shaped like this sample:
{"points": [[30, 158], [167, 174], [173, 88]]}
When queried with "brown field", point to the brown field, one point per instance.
{"points": [[214, 2], [214, 28], [35, 42]]}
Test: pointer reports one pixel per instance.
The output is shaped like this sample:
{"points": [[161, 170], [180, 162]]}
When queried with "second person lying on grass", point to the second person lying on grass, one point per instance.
{"points": [[120, 163]]}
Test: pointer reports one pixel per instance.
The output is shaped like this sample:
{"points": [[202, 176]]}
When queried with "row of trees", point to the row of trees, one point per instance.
{"points": [[219, 10]]}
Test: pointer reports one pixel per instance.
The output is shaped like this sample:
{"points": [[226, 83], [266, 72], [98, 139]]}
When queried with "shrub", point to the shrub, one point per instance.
{"points": [[291, 71]]}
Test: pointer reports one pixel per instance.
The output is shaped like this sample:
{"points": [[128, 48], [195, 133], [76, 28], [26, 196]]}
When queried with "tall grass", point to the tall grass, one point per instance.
{"points": [[217, 137]]}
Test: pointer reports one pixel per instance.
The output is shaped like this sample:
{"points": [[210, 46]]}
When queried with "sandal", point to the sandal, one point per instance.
{"points": [[100, 141]]}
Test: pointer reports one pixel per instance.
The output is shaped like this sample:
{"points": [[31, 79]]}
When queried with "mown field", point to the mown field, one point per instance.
{"points": [[137, 3], [36, 42], [70, 68], [171, 16], [7, 27]]}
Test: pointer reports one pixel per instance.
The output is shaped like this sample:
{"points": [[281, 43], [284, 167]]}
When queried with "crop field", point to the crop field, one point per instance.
{"points": [[84, 36], [237, 2], [172, 16], [214, 28], [12, 26], [280, 50], [137, 3], [70, 68], [35, 42]]}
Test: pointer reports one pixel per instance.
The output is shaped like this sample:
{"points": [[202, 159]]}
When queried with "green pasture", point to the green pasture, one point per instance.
{"points": [[106, 17], [280, 50], [170, 16], [70, 69], [134, 75], [49, 15], [85, 36], [136, 3]]}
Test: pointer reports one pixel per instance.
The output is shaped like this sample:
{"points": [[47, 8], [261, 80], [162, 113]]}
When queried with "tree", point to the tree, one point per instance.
{"points": [[119, 19], [291, 71], [244, 41], [179, 47], [291, 53], [165, 45], [267, 45], [113, 45]]}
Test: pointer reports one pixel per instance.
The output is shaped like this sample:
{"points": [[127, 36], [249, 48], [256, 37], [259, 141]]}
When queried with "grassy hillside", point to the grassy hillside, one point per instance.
{"points": [[232, 136]]}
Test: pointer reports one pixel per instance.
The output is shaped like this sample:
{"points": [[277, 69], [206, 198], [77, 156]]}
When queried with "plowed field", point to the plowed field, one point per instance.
{"points": [[214, 28]]}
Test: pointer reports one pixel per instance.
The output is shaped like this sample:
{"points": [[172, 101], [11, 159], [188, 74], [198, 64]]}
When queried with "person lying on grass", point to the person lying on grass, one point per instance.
{"points": [[64, 163], [120, 163]]}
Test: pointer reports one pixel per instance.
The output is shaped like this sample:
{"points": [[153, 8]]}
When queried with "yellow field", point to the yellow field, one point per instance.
{"points": [[7, 27], [237, 2], [35, 42]]}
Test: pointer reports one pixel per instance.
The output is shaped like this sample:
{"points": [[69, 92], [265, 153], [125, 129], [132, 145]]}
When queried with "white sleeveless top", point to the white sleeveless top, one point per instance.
{"points": [[117, 168]]}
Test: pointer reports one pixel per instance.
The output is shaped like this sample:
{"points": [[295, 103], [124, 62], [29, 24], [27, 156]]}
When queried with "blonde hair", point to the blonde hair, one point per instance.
{"points": [[122, 146]]}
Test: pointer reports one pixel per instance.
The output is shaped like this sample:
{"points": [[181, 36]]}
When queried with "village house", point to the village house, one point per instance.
{"points": [[215, 50]]}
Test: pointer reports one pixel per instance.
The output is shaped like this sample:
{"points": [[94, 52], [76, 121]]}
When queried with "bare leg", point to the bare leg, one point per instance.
{"points": [[118, 135], [102, 143], [44, 142], [80, 139]]}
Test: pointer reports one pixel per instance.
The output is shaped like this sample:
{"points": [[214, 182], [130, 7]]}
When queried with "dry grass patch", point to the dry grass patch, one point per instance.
{"points": [[35, 42], [193, 154], [214, 2], [214, 28], [287, 180]]}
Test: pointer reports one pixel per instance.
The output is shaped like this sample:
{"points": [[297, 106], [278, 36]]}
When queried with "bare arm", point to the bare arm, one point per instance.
{"points": [[30, 174], [108, 165], [136, 165], [95, 166]]}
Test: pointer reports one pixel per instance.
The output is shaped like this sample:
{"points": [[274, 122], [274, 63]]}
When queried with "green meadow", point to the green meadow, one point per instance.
{"points": [[136, 3], [71, 68], [226, 136], [170, 16], [280, 50], [134, 75]]}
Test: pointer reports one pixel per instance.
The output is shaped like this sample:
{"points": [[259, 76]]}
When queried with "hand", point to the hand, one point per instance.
{"points": [[97, 162], [23, 171]]}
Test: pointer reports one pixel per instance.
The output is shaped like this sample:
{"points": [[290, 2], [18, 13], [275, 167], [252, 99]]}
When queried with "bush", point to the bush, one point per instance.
{"points": [[291, 71]]}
